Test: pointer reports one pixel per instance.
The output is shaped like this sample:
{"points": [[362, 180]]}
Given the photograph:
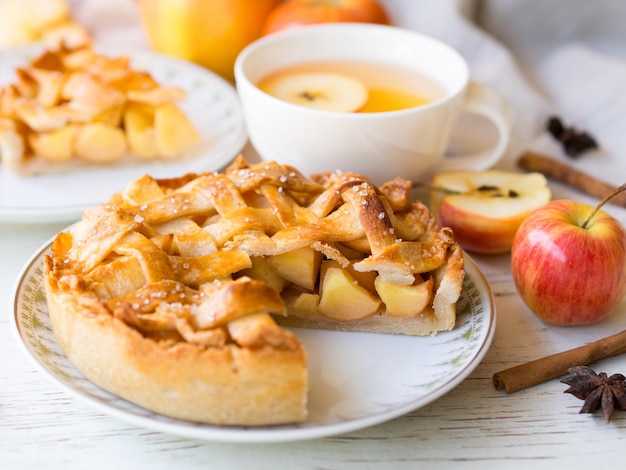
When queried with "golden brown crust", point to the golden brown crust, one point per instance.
{"points": [[231, 385], [169, 294]]}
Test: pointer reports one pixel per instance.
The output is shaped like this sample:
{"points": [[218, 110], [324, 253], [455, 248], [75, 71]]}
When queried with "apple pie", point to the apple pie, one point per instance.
{"points": [[175, 293], [46, 21], [72, 108]]}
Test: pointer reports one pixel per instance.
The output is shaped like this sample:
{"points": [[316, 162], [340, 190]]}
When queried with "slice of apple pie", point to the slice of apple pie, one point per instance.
{"points": [[173, 294], [74, 108]]}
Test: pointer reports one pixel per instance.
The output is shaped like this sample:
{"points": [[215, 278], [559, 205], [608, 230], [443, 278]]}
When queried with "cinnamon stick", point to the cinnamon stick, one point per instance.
{"points": [[541, 370], [567, 174]]}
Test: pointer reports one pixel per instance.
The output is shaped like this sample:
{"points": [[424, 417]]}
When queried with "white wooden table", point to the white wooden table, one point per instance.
{"points": [[42, 426]]}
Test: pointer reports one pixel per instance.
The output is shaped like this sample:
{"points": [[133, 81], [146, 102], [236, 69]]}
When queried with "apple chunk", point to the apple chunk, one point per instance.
{"points": [[343, 298], [139, 126], [404, 301], [299, 266], [364, 279], [262, 270], [99, 143], [173, 131], [486, 208], [306, 302], [56, 145]]}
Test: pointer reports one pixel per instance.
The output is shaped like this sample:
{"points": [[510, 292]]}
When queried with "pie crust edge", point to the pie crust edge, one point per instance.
{"points": [[231, 385]]}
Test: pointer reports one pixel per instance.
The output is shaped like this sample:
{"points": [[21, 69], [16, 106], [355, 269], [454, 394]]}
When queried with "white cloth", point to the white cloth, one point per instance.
{"points": [[563, 57]]}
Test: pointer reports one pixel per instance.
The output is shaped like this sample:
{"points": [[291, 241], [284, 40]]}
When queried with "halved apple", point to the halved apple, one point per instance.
{"points": [[485, 208]]}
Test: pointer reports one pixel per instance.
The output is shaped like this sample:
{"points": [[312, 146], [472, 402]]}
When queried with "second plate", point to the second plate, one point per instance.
{"points": [[212, 105]]}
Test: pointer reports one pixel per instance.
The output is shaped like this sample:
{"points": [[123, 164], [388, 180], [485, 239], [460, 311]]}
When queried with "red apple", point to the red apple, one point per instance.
{"points": [[569, 263], [485, 208]]}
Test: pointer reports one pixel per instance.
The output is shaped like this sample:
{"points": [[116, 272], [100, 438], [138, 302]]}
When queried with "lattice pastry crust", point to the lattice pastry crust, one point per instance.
{"points": [[72, 108], [173, 293]]}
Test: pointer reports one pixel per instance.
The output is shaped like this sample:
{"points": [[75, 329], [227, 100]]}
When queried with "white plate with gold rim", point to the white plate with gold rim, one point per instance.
{"points": [[211, 104], [355, 380]]}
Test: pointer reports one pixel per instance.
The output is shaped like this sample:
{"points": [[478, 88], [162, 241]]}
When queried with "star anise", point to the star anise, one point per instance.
{"points": [[573, 141], [598, 390]]}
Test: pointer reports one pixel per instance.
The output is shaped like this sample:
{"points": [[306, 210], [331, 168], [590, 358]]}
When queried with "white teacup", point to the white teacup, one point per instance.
{"points": [[411, 143]]}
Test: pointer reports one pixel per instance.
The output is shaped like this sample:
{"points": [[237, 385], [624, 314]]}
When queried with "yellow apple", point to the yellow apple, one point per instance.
{"points": [[208, 32], [486, 208]]}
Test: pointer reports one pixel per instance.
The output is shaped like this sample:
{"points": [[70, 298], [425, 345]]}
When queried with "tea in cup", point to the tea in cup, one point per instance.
{"points": [[371, 99], [351, 86]]}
